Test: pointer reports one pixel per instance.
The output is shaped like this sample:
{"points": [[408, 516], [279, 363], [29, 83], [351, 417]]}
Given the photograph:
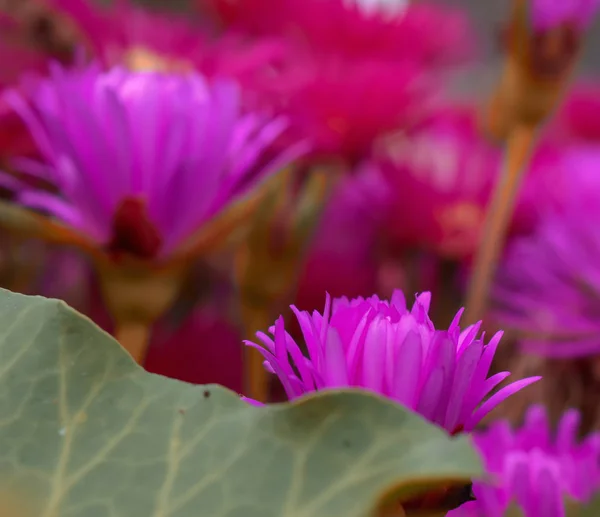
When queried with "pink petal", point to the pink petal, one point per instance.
{"points": [[496, 399]]}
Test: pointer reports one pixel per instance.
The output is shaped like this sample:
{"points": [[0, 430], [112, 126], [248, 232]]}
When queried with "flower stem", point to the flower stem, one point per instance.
{"points": [[135, 338], [518, 148], [255, 317]]}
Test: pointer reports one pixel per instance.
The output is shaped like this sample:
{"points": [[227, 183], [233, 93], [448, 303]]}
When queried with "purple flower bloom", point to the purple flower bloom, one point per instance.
{"points": [[142, 159], [384, 347], [548, 286], [547, 14], [534, 469]]}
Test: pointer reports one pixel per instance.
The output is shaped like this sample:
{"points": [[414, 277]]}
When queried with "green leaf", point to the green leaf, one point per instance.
{"points": [[85, 432]]}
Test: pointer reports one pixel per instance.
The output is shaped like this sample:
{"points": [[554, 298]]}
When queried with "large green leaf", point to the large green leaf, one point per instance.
{"points": [[85, 432]]}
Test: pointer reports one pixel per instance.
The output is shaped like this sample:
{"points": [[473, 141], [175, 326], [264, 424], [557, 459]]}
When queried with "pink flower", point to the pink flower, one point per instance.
{"points": [[16, 56], [168, 153], [124, 33], [578, 118], [357, 29], [547, 14], [534, 468], [15, 139], [344, 107], [548, 285], [114, 30], [386, 348], [440, 177]]}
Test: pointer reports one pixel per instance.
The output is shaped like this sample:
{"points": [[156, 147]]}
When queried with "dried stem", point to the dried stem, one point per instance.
{"points": [[518, 148], [135, 338]]}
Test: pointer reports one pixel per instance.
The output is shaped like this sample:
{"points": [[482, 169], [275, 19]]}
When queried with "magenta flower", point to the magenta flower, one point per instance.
{"points": [[547, 14], [548, 286], [112, 31], [328, 103], [124, 33], [534, 469], [578, 118], [441, 177], [358, 29], [141, 160], [384, 347]]}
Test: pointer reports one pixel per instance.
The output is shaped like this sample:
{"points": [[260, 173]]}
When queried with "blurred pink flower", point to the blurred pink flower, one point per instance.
{"points": [[547, 14], [21, 56], [548, 286], [168, 152], [394, 31], [112, 31], [354, 71], [534, 468], [440, 177], [258, 17], [15, 139], [544, 186], [125, 33], [344, 107], [578, 118], [18, 58], [15, 56], [358, 29]]}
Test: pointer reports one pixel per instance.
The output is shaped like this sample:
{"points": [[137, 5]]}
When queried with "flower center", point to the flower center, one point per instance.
{"points": [[132, 230]]}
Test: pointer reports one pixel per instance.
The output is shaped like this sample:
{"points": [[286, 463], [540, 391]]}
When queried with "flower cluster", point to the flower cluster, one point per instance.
{"points": [[557, 261], [533, 469]]}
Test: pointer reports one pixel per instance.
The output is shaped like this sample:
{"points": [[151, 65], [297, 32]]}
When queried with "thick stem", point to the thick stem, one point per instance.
{"points": [[134, 337], [498, 216], [136, 295]]}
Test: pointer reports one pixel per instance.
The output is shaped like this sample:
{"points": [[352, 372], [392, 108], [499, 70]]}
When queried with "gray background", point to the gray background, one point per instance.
{"points": [[487, 17]]}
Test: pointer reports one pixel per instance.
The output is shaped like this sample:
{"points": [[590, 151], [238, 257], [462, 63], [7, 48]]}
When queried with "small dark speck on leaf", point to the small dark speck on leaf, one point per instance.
{"points": [[346, 443], [206, 394], [182, 411]]}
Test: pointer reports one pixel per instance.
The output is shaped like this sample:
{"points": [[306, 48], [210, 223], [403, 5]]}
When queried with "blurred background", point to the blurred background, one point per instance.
{"points": [[488, 18], [394, 131]]}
